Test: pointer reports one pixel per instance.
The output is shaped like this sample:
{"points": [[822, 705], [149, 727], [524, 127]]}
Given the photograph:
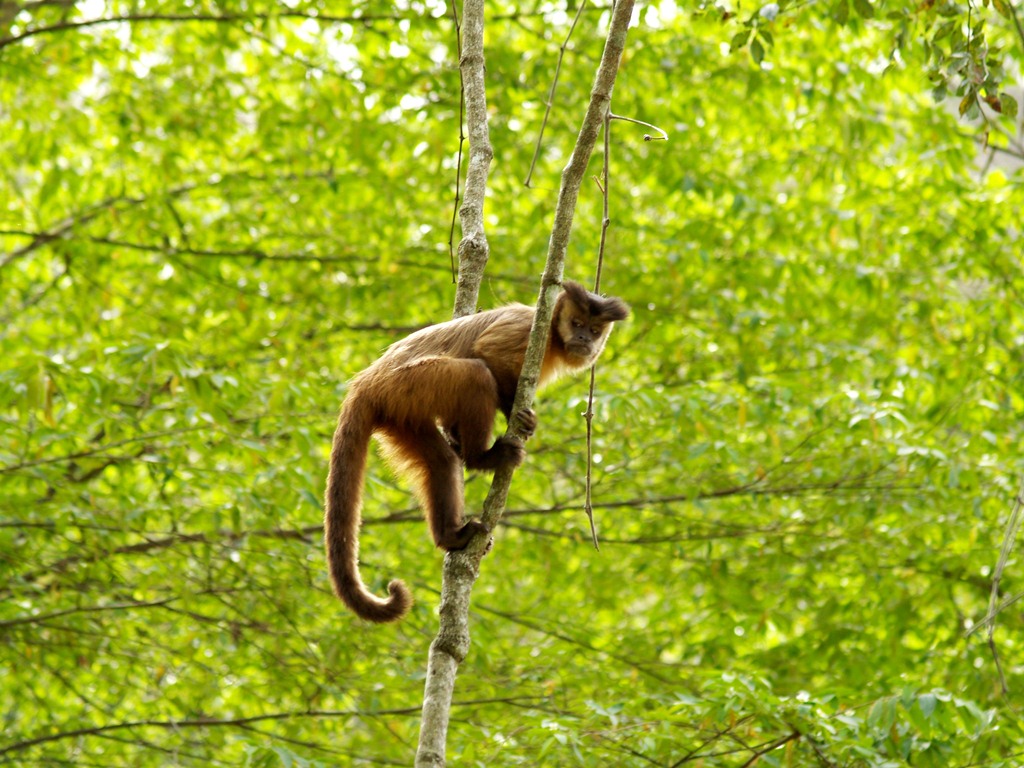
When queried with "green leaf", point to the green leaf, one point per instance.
{"points": [[927, 702], [740, 40], [841, 12], [864, 8], [756, 51], [1004, 8], [1008, 105], [882, 715]]}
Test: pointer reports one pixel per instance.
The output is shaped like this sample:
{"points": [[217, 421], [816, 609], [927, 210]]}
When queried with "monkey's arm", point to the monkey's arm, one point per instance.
{"points": [[502, 347]]}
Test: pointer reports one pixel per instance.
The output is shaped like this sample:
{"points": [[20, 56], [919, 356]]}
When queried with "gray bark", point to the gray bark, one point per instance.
{"points": [[473, 248]]}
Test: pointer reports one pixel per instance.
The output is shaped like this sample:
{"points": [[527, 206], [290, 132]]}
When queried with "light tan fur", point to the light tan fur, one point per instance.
{"points": [[454, 376]]}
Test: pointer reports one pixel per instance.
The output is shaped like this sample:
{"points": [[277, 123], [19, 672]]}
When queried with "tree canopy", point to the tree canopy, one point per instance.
{"points": [[807, 448]]}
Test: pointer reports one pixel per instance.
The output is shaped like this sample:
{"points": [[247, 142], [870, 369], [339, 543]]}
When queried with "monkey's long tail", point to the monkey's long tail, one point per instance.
{"points": [[342, 518]]}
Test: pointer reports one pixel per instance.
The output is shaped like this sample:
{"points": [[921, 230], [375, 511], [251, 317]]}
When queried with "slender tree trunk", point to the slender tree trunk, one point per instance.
{"points": [[473, 248]]}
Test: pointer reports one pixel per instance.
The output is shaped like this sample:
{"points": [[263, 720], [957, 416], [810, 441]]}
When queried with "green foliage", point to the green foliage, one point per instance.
{"points": [[807, 439]]}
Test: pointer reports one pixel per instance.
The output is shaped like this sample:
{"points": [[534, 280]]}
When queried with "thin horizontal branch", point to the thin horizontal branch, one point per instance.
{"points": [[625, 659], [159, 541], [43, 617], [223, 253], [249, 253], [100, 451], [220, 18], [236, 18], [116, 202], [211, 722], [764, 749], [306, 534]]}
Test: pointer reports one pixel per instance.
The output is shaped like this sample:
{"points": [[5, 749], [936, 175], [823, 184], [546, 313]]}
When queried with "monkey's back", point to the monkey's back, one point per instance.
{"points": [[497, 338], [456, 338], [430, 374]]}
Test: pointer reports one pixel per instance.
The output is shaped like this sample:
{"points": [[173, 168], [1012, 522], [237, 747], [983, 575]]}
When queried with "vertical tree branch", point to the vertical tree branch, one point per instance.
{"points": [[452, 642], [565, 210], [462, 568], [473, 248]]}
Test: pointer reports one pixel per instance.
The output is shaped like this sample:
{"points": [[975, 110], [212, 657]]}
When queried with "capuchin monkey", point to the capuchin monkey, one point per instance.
{"points": [[431, 399]]}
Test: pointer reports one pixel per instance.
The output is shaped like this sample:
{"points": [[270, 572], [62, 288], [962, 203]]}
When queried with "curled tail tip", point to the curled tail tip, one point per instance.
{"points": [[400, 597], [394, 608], [371, 608]]}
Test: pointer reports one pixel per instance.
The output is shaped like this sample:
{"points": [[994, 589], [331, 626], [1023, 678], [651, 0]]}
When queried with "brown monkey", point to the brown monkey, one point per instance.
{"points": [[455, 376]]}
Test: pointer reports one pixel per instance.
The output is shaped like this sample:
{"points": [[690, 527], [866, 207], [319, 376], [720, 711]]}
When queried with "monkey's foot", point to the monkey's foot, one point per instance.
{"points": [[453, 541], [508, 451], [529, 421], [505, 451]]}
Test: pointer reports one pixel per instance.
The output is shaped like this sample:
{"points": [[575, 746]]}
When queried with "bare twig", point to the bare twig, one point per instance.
{"points": [[647, 136], [771, 747], [603, 183], [995, 605], [588, 505], [365, 19], [462, 140]]}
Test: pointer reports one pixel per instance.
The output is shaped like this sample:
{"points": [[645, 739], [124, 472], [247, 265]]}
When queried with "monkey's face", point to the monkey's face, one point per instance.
{"points": [[582, 335], [584, 321]]}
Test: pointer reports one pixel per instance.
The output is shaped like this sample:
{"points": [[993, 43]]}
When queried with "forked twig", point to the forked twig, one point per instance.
{"points": [[647, 136]]}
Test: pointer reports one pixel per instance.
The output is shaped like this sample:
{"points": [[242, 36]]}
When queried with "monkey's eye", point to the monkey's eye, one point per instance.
{"points": [[577, 323]]}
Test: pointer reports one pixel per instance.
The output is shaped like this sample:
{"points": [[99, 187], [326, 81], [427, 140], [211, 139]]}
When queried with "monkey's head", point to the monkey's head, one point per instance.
{"points": [[583, 321]]}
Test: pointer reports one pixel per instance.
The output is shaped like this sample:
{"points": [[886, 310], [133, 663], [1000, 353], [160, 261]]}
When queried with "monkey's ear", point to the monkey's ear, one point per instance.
{"points": [[577, 294], [610, 310]]}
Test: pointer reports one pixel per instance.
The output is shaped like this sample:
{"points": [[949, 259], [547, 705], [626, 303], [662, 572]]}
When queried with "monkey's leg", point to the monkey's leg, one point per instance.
{"points": [[440, 487], [463, 395], [470, 418]]}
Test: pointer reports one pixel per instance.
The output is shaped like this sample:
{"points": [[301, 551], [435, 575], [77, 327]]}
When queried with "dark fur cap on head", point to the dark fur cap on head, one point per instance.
{"points": [[609, 310]]}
